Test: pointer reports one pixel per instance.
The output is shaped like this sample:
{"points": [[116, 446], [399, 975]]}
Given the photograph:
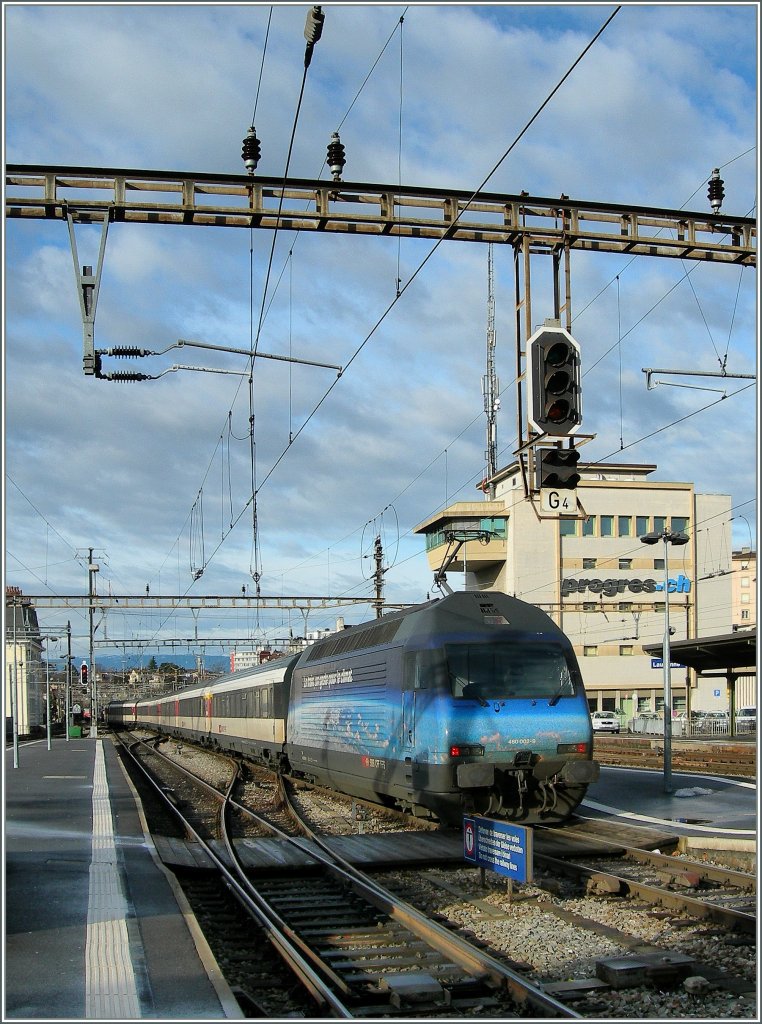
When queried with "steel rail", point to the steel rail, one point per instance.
{"points": [[728, 916], [276, 926], [725, 876], [322, 993], [429, 931], [461, 952]]}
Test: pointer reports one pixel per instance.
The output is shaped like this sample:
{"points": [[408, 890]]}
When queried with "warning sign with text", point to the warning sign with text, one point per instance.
{"points": [[500, 846]]}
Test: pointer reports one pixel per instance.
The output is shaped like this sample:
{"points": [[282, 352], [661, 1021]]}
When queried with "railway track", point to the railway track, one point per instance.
{"points": [[735, 760], [713, 948], [356, 948], [700, 890]]}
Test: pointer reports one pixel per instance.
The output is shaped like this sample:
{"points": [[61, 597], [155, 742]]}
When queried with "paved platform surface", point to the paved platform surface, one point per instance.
{"points": [[93, 927], [697, 805]]}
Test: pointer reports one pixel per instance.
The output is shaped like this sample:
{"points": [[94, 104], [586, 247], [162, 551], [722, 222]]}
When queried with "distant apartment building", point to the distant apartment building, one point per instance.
{"points": [[744, 589], [598, 581], [240, 660], [744, 616], [24, 674]]}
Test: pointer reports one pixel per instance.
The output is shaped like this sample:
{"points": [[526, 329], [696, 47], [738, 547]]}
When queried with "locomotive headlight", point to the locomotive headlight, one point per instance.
{"points": [[572, 748], [466, 750]]}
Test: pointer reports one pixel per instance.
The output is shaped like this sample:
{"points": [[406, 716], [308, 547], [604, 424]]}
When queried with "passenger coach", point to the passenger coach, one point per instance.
{"points": [[244, 712]]}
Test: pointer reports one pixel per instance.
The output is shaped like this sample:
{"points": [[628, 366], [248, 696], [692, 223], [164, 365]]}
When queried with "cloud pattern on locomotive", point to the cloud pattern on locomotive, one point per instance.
{"points": [[469, 704]]}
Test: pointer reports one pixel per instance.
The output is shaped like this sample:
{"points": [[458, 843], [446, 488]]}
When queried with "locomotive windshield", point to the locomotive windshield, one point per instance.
{"points": [[489, 671]]}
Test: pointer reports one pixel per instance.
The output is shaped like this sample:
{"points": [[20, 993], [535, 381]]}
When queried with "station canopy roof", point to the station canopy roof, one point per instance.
{"points": [[730, 651]]}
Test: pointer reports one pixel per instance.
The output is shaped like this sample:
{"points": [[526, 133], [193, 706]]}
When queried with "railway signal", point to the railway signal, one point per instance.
{"points": [[553, 381], [557, 477], [83, 675]]}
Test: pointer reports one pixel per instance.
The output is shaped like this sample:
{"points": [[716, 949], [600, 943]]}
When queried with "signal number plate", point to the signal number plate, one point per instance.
{"points": [[563, 502]]}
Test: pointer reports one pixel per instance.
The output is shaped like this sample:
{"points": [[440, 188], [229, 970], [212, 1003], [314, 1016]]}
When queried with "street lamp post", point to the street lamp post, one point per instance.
{"points": [[14, 692], [68, 679], [677, 539], [92, 568], [49, 640]]}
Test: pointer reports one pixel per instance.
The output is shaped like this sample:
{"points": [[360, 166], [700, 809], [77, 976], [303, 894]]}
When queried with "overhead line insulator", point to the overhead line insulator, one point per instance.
{"points": [[251, 150], [128, 352], [716, 191], [313, 29], [125, 377], [336, 158]]}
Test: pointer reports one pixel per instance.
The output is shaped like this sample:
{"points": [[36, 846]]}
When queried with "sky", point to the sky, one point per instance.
{"points": [[156, 477]]}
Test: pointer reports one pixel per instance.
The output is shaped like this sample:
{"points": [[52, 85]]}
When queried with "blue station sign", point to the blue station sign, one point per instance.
{"points": [[500, 846]]}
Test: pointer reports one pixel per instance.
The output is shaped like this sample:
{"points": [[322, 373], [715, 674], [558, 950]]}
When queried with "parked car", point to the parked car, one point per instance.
{"points": [[714, 722], [746, 719], [605, 721]]}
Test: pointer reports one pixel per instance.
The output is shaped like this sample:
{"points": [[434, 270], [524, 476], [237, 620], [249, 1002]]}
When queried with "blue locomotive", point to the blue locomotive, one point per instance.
{"points": [[469, 704]]}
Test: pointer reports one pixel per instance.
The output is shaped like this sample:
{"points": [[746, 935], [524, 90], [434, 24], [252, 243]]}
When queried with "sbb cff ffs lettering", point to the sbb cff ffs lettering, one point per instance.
{"points": [[554, 402]]}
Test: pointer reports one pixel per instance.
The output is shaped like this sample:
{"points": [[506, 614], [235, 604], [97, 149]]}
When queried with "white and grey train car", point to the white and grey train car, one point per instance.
{"points": [[244, 712]]}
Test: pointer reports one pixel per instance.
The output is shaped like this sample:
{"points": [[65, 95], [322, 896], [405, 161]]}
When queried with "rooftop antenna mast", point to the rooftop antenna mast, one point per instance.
{"points": [[490, 384]]}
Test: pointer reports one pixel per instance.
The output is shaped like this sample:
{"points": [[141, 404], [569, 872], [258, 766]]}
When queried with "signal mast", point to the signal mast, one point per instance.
{"points": [[490, 384]]}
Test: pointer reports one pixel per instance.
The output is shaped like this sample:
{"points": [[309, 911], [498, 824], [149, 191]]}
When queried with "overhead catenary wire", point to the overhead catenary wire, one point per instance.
{"points": [[420, 267], [373, 68], [619, 348], [399, 156], [249, 435], [436, 245], [288, 262], [262, 64], [297, 233], [462, 211], [686, 276], [313, 30]]}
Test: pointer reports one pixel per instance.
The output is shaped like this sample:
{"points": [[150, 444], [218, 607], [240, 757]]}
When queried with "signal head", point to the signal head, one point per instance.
{"points": [[554, 394]]}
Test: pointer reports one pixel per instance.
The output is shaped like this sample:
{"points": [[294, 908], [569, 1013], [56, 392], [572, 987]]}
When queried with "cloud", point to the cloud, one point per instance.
{"points": [[663, 97]]}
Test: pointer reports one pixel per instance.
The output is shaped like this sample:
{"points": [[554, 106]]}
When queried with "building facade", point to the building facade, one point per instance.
{"points": [[24, 674], [744, 577], [596, 578], [744, 589]]}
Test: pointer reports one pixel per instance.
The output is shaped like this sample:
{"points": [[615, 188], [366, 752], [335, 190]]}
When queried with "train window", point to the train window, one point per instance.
{"points": [[425, 670], [265, 702], [489, 671]]}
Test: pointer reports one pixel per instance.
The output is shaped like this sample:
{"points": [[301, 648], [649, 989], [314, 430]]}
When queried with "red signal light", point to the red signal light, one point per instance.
{"points": [[572, 748], [466, 750]]}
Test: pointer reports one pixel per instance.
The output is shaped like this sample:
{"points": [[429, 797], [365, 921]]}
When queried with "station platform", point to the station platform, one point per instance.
{"points": [[95, 926], [696, 805]]}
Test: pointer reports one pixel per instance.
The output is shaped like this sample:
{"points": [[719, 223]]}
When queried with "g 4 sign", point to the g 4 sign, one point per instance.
{"points": [[560, 502]]}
